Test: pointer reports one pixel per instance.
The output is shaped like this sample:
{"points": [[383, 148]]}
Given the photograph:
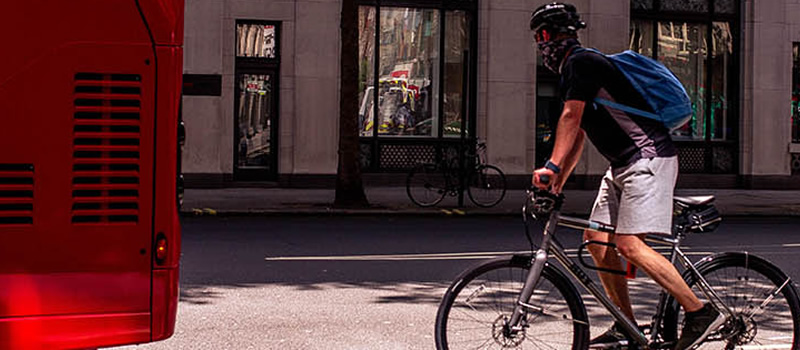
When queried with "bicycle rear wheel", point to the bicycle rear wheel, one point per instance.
{"points": [[486, 186], [425, 185], [474, 310], [762, 298]]}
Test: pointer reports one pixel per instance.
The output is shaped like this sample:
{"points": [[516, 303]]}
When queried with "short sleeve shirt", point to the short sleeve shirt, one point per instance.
{"points": [[621, 137]]}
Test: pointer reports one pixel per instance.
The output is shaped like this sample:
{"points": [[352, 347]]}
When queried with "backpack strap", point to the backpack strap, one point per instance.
{"points": [[625, 108], [613, 104]]}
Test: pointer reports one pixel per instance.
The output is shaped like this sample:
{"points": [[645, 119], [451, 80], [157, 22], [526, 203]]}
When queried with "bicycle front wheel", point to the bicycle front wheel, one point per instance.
{"points": [[486, 186], [475, 309], [425, 185], [763, 299]]}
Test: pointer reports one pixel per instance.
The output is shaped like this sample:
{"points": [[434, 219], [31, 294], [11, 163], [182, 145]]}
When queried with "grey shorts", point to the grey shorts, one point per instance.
{"points": [[638, 198]]}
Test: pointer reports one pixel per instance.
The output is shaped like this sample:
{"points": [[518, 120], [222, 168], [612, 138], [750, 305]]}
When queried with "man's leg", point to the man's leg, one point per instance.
{"points": [[605, 210], [616, 286], [635, 250]]}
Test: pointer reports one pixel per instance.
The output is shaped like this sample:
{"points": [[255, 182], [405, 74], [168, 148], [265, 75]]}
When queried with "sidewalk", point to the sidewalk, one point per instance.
{"points": [[394, 201]]}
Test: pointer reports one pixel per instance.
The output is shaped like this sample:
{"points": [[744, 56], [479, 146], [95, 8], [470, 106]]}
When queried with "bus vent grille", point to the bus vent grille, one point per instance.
{"points": [[16, 194], [106, 163]]}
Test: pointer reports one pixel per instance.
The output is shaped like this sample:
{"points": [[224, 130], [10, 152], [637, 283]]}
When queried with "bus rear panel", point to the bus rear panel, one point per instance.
{"points": [[89, 100]]}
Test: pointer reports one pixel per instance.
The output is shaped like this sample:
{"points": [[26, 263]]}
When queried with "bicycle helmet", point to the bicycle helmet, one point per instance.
{"points": [[556, 17]]}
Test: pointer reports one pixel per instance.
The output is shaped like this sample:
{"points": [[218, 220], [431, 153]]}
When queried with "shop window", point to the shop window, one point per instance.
{"points": [[698, 46], [416, 80], [408, 76], [256, 100]]}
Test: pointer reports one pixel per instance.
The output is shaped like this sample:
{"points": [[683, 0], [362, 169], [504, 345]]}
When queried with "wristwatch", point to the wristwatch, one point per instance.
{"points": [[552, 166]]}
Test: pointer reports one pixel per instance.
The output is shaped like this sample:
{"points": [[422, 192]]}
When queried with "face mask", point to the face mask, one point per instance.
{"points": [[554, 52]]}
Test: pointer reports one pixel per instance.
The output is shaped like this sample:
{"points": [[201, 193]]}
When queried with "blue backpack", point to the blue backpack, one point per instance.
{"points": [[658, 86]]}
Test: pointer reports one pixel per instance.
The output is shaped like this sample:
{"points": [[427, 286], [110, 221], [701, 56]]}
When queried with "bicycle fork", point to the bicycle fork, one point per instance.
{"points": [[537, 265], [538, 262]]}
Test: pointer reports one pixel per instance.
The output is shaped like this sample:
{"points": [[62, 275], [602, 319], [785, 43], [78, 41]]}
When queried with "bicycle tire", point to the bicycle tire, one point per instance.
{"points": [[426, 186], [565, 310], [486, 186], [757, 277]]}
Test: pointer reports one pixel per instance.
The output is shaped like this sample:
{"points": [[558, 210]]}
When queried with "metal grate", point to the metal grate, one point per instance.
{"points": [[795, 163], [365, 155], [692, 160], [405, 156], [722, 160], [105, 177], [16, 194], [696, 6]]}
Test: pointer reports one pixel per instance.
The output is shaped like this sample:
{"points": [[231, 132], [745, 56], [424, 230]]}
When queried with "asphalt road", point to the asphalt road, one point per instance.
{"points": [[374, 283]]}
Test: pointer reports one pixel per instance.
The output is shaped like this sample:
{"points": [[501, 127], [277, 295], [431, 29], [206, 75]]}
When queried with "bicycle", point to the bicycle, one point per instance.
{"points": [[428, 183], [514, 302]]}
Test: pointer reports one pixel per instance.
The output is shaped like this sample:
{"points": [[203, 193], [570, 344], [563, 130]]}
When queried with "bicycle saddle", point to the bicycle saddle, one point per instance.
{"points": [[694, 200]]}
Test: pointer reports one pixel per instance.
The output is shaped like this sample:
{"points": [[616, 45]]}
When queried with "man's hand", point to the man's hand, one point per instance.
{"points": [[538, 175]]}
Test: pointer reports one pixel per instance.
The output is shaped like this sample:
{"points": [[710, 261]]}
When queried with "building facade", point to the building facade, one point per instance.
{"points": [[261, 87]]}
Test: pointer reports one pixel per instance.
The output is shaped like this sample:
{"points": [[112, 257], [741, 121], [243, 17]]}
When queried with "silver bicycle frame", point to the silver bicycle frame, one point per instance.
{"points": [[550, 247]]}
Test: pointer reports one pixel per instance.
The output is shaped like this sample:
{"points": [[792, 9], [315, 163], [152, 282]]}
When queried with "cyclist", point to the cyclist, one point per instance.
{"points": [[636, 191]]}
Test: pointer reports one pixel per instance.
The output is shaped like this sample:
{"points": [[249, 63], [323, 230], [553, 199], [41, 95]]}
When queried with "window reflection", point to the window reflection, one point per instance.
{"points": [[366, 76], [255, 111], [408, 72], [456, 46], [641, 39], [722, 44], [255, 40], [682, 48]]}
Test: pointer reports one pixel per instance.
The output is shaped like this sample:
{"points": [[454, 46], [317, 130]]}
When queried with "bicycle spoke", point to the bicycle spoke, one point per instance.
{"points": [[472, 317]]}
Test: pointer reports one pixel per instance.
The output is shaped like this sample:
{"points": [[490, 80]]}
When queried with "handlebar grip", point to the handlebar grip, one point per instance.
{"points": [[545, 179]]}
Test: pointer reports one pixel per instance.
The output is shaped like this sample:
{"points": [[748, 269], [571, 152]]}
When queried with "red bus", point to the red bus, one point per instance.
{"points": [[89, 161]]}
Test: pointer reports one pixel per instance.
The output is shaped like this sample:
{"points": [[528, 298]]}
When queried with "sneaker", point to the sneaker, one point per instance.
{"points": [[698, 326], [612, 338]]}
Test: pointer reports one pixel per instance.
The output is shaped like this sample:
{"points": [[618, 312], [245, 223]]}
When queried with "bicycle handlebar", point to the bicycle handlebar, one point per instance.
{"points": [[542, 202]]}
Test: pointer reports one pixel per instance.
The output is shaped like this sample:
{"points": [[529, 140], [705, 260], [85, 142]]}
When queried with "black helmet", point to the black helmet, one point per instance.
{"points": [[557, 17]]}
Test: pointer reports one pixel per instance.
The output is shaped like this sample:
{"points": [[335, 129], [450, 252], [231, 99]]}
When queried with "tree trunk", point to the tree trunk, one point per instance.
{"points": [[349, 186]]}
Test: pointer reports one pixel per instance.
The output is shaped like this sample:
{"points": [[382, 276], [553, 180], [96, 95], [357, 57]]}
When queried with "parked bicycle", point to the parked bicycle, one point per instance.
{"points": [[428, 183], [525, 302]]}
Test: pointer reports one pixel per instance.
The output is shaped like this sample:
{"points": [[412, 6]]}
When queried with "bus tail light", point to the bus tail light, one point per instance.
{"points": [[161, 248]]}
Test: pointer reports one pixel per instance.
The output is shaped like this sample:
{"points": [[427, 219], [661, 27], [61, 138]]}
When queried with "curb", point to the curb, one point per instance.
{"points": [[327, 211], [441, 212]]}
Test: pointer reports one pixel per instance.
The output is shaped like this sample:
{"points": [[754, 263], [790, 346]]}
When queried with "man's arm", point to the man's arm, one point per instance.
{"points": [[570, 162], [567, 135]]}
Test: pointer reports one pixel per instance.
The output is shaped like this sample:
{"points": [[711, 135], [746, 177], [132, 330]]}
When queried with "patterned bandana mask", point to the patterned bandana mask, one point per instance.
{"points": [[553, 52]]}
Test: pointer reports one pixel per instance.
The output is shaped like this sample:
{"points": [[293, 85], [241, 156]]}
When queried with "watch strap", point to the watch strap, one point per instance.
{"points": [[552, 166]]}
